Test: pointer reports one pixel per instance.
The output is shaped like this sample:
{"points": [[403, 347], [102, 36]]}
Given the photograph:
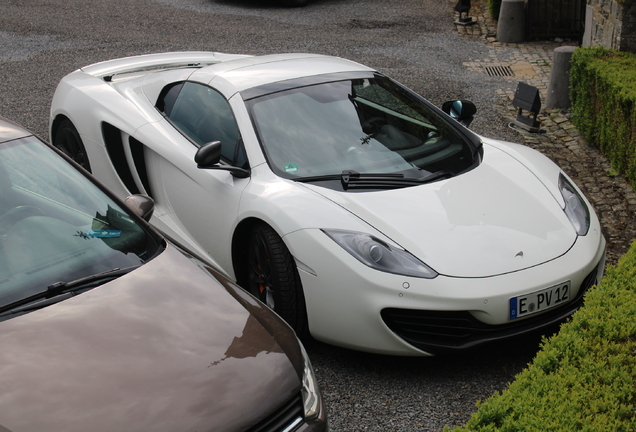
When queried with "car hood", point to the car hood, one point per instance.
{"points": [[163, 348], [497, 218]]}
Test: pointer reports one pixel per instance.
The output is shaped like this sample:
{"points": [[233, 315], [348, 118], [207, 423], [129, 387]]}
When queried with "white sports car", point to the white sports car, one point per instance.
{"points": [[358, 211]]}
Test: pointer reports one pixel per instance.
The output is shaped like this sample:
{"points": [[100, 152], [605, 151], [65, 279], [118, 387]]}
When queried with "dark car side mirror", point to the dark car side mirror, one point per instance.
{"points": [[209, 156], [461, 110], [141, 205]]}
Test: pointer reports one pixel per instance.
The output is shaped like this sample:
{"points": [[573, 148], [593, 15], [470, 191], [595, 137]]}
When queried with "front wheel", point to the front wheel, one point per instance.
{"points": [[68, 140], [273, 277]]}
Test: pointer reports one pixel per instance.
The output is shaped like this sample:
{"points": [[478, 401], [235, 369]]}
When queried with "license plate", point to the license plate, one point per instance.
{"points": [[540, 301]]}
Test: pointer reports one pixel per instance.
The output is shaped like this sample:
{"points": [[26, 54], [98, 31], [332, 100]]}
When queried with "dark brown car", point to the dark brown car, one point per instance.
{"points": [[105, 326]]}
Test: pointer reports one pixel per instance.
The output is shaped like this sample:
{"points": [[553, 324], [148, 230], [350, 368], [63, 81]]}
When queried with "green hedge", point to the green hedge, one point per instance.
{"points": [[584, 378], [603, 95], [494, 7]]}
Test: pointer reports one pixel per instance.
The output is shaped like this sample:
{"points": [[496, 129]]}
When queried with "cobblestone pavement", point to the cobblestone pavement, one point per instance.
{"points": [[530, 62]]}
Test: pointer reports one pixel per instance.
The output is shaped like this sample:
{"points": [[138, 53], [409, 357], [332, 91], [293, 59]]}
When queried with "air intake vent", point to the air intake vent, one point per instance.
{"points": [[502, 71], [445, 331]]}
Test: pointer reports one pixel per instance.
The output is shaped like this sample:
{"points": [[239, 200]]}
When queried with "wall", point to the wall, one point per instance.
{"points": [[611, 24]]}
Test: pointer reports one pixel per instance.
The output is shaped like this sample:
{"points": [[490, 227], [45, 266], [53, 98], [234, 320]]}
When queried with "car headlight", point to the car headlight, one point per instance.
{"points": [[575, 207], [310, 392], [379, 255]]}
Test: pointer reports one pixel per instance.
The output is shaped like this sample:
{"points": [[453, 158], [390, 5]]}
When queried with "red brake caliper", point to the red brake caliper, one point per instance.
{"points": [[262, 286]]}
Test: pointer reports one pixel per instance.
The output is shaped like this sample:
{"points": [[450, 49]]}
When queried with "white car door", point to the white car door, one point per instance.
{"points": [[198, 207]]}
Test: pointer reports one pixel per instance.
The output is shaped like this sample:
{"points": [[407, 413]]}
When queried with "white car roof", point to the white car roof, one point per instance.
{"points": [[252, 72], [156, 61], [239, 72]]}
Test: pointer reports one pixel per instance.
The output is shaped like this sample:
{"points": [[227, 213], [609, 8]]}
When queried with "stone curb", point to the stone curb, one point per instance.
{"points": [[612, 197]]}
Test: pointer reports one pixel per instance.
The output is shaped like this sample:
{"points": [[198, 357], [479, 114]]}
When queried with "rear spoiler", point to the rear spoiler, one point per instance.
{"points": [[107, 69]]}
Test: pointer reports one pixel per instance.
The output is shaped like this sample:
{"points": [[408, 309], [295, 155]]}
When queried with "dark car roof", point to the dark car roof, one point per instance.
{"points": [[10, 131]]}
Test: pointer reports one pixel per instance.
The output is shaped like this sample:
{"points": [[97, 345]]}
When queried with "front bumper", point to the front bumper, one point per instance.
{"points": [[289, 417], [351, 305], [447, 331]]}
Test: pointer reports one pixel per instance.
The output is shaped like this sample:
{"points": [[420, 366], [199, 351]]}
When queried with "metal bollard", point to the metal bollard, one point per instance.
{"points": [[511, 24], [559, 87]]}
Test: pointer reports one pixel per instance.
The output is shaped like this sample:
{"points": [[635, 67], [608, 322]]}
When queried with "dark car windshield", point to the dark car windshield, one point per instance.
{"points": [[56, 226], [360, 126]]}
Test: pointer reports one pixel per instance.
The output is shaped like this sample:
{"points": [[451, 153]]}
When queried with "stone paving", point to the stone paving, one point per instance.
{"points": [[612, 197]]}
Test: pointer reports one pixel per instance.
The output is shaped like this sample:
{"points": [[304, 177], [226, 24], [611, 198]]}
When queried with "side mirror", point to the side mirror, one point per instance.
{"points": [[209, 156], [461, 110], [141, 205]]}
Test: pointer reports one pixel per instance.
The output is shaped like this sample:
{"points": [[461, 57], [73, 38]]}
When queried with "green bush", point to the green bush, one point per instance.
{"points": [[493, 8], [603, 95], [584, 378]]}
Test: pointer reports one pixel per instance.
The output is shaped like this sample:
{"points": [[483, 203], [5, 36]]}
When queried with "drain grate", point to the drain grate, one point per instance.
{"points": [[499, 71]]}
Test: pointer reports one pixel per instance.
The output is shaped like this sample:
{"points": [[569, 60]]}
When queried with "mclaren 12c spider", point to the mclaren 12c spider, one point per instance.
{"points": [[362, 214]]}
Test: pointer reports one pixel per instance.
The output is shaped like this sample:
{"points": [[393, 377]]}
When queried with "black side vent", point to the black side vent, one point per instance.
{"points": [[137, 151], [285, 417], [115, 149]]}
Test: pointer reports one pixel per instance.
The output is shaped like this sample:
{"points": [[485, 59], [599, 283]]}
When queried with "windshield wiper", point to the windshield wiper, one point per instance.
{"points": [[88, 281], [353, 179], [62, 290]]}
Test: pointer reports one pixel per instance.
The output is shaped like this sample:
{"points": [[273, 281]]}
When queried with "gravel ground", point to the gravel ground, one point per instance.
{"points": [[412, 40]]}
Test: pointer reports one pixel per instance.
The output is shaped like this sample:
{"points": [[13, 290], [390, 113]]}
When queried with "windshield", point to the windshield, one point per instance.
{"points": [[367, 125], [56, 225]]}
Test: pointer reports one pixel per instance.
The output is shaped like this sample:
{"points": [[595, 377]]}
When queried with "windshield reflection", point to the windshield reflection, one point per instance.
{"points": [[56, 226], [367, 125]]}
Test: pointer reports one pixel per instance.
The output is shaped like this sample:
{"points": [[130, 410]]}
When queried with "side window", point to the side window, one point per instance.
{"points": [[204, 115]]}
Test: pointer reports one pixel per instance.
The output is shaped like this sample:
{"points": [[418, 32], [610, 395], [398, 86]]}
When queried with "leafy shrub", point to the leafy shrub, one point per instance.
{"points": [[584, 378], [603, 95], [493, 8]]}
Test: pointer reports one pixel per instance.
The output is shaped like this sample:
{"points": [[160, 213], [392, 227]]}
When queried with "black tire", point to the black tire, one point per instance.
{"points": [[68, 140], [273, 278], [295, 3]]}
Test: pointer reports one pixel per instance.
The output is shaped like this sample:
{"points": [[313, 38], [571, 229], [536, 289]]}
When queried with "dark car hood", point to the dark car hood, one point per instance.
{"points": [[164, 348]]}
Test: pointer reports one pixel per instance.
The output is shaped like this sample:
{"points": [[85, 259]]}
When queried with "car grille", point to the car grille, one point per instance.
{"points": [[287, 418], [443, 331]]}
